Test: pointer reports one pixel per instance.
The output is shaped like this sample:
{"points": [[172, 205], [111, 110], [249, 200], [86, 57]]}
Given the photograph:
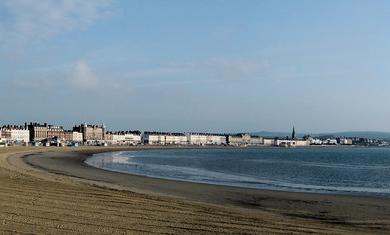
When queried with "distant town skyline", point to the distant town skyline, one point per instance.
{"points": [[212, 66]]}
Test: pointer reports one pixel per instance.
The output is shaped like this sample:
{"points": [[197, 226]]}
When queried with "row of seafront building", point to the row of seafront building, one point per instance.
{"points": [[45, 134], [192, 138]]}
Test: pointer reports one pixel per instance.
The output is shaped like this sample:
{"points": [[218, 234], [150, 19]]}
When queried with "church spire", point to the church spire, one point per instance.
{"points": [[293, 133]]}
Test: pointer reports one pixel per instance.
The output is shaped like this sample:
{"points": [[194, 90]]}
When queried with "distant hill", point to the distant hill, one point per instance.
{"points": [[359, 134]]}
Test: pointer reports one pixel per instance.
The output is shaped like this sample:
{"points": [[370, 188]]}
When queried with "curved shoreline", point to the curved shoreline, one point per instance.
{"points": [[78, 168], [267, 187], [306, 212], [248, 198]]}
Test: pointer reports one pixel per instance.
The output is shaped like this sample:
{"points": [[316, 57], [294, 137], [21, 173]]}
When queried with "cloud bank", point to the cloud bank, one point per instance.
{"points": [[25, 21]]}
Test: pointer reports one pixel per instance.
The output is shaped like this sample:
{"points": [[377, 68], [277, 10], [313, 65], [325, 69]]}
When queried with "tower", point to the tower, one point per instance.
{"points": [[293, 134], [103, 131]]}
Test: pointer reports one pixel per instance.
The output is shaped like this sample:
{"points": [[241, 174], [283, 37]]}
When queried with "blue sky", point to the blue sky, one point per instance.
{"points": [[220, 66]]}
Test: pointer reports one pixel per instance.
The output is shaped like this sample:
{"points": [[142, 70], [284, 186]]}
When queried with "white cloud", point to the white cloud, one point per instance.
{"points": [[83, 77], [23, 21]]}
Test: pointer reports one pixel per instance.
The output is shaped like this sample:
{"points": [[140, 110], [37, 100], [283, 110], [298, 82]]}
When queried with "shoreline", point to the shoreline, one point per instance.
{"points": [[85, 157], [81, 156], [313, 204], [274, 211]]}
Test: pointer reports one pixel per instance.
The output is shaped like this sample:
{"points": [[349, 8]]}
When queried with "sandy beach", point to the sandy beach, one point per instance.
{"points": [[51, 190]]}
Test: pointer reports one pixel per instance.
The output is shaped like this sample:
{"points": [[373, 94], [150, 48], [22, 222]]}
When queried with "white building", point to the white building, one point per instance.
{"points": [[17, 134], [256, 141], [268, 142], [77, 136], [247, 140], [329, 142], [292, 143], [345, 141], [239, 140], [206, 139], [118, 138], [164, 138], [215, 139], [126, 138], [73, 136], [302, 143], [133, 137], [196, 139], [20, 135], [177, 139], [154, 138], [285, 143], [315, 141]]}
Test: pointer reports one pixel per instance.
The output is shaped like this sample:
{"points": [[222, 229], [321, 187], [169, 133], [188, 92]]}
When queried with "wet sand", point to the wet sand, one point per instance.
{"points": [[57, 193]]}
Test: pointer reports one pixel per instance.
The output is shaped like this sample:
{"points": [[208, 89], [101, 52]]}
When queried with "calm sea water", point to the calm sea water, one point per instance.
{"points": [[326, 170]]}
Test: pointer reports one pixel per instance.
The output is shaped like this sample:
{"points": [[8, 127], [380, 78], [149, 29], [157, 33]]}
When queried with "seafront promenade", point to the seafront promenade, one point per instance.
{"points": [[35, 201]]}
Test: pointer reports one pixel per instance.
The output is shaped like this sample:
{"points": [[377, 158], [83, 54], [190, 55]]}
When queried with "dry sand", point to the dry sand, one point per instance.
{"points": [[61, 195]]}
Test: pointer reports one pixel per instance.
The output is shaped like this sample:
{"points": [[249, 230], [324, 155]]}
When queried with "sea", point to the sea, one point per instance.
{"points": [[334, 170]]}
